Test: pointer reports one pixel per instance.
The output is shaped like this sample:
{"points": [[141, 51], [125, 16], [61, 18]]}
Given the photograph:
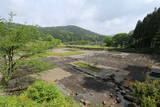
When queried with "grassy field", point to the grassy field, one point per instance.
{"points": [[87, 66], [63, 53], [117, 49], [35, 65], [49, 53]]}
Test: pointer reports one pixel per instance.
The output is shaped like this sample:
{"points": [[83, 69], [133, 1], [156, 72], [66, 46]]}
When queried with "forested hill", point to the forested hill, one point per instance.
{"points": [[72, 33]]}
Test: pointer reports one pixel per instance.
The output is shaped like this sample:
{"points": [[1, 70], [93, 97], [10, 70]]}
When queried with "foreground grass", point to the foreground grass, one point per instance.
{"points": [[40, 94], [87, 66], [35, 65]]}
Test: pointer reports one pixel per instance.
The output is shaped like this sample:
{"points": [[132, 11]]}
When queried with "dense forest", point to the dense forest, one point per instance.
{"points": [[145, 35], [147, 32]]}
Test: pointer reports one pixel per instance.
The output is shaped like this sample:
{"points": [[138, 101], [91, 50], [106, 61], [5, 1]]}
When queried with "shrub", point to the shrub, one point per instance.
{"points": [[41, 92], [147, 93]]}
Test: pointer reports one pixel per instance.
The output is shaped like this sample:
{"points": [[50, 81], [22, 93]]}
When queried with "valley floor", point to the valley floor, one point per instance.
{"points": [[109, 86]]}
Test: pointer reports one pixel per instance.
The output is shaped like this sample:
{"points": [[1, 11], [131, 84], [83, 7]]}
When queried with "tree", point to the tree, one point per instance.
{"points": [[108, 41], [12, 40], [121, 40], [146, 33], [47, 37]]}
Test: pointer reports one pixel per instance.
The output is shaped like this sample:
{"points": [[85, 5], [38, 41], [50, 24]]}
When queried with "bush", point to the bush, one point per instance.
{"points": [[40, 94], [147, 93]]}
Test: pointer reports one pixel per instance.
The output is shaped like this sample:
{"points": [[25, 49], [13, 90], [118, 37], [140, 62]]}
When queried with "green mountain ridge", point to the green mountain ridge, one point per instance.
{"points": [[72, 33]]}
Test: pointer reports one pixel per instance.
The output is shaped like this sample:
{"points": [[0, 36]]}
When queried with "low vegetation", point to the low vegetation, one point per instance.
{"points": [[147, 93], [73, 33], [35, 65], [49, 53], [87, 66], [40, 94]]}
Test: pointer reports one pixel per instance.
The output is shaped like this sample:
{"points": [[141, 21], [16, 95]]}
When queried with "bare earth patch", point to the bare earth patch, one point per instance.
{"points": [[107, 87], [53, 75]]}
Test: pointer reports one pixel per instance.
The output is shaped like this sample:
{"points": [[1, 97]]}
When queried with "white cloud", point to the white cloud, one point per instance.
{"points": [[102, 16], [150, 1]]}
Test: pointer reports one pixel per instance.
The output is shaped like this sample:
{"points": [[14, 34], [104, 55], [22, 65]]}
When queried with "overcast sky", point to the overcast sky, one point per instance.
{"points": [[102, 16]]}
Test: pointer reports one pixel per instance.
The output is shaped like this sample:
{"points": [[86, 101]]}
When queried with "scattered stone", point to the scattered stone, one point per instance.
{"points": [[118, 100], [132, 105], [85, 102], [82, 101], [112, 76], [111, 95], [76, 94], [117, 70], [117, 89], [104, 102], [123, 92], [120, 87], [91, 94], [129, 98], [115, 102]]}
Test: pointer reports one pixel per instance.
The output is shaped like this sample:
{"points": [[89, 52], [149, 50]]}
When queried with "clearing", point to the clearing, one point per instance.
{"points": [[108, 87]]}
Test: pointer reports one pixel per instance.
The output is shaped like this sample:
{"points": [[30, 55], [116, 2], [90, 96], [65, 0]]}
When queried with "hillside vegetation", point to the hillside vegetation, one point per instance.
{"points": [[72, 34]]}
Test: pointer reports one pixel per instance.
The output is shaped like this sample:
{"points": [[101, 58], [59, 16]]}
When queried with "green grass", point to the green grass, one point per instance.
{"points": [[49, 53], [88, 47], [116, 49], [87, 66], [35, 65], [63, 53], [40, 94]]}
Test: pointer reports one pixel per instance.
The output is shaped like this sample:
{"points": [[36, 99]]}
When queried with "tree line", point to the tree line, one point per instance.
{"points": [[145, 35]]}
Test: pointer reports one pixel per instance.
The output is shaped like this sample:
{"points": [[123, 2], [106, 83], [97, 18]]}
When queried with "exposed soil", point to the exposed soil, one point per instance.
{"points": [[107, 87]]}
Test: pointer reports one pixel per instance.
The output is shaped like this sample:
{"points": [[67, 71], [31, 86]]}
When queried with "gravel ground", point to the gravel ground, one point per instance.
{"points": [[88, 87]]}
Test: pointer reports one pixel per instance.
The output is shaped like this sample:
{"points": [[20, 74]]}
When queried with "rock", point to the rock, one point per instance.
{"points": [[82, 101], [118, 100], [120, 87], [91, 94], [111, 95], [117, 89], [129, 98], [132, 105], [123, 92], [76, 94], [112, 76], [104, 102], [117, 70], [85, 102]]}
